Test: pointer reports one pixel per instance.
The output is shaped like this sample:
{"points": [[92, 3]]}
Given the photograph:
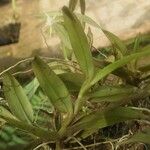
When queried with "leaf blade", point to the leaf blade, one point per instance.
{"points": [[53, 86], [39, 132], [73, 81], [5, 113], [117, 64], [31, 88], [72, 4], [91, 123], [17, 100], [115, 41], [79, 42], [112, 93], [82, 6]]}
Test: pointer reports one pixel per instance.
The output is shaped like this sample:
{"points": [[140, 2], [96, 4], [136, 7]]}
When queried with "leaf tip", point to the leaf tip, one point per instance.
{"points": [[67, 12]]}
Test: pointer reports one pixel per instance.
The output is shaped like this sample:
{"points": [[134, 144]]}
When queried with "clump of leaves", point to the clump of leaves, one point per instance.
{"points": [[80, 101]]}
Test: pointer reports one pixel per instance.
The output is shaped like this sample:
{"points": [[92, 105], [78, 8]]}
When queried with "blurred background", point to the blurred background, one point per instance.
{"points": [[21, 27]]}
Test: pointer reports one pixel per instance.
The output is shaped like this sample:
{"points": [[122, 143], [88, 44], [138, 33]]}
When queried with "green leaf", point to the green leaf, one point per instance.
{"points": [[137, 43], [116, 41], [98, 120], [39, 132], [142, 137], [31, 88], [17, 100], [73, 81], [5, 113], [119, 63], [82, 6], [79, 42], [60, 30], [81, 17], [63, 35], [72, 4], [135, 49], [90, 37], [111, 93], [88, 20], [50, 14], [67, 53], [113, 38], [53, 86]]}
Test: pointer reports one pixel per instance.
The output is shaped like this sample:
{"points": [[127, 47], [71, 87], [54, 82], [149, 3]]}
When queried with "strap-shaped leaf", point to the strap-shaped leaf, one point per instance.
{"points": [[119, 63], [53, 86], [44, 134], [73, 81], [112, 93], [5, 113], [113, 38], [72, 4], [137, 43], [60, 30], [98, 120], [88, 20], [79, 42], [17, 100], [82, 6], [116, 41], [31, 88], [90, 37]]}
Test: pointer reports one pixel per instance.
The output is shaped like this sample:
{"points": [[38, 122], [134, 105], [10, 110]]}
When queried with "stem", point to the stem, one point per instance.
{"points": [[78, 105], [14, 9], [80, 101], [14, 5], [58, 145], [65, 123]]}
